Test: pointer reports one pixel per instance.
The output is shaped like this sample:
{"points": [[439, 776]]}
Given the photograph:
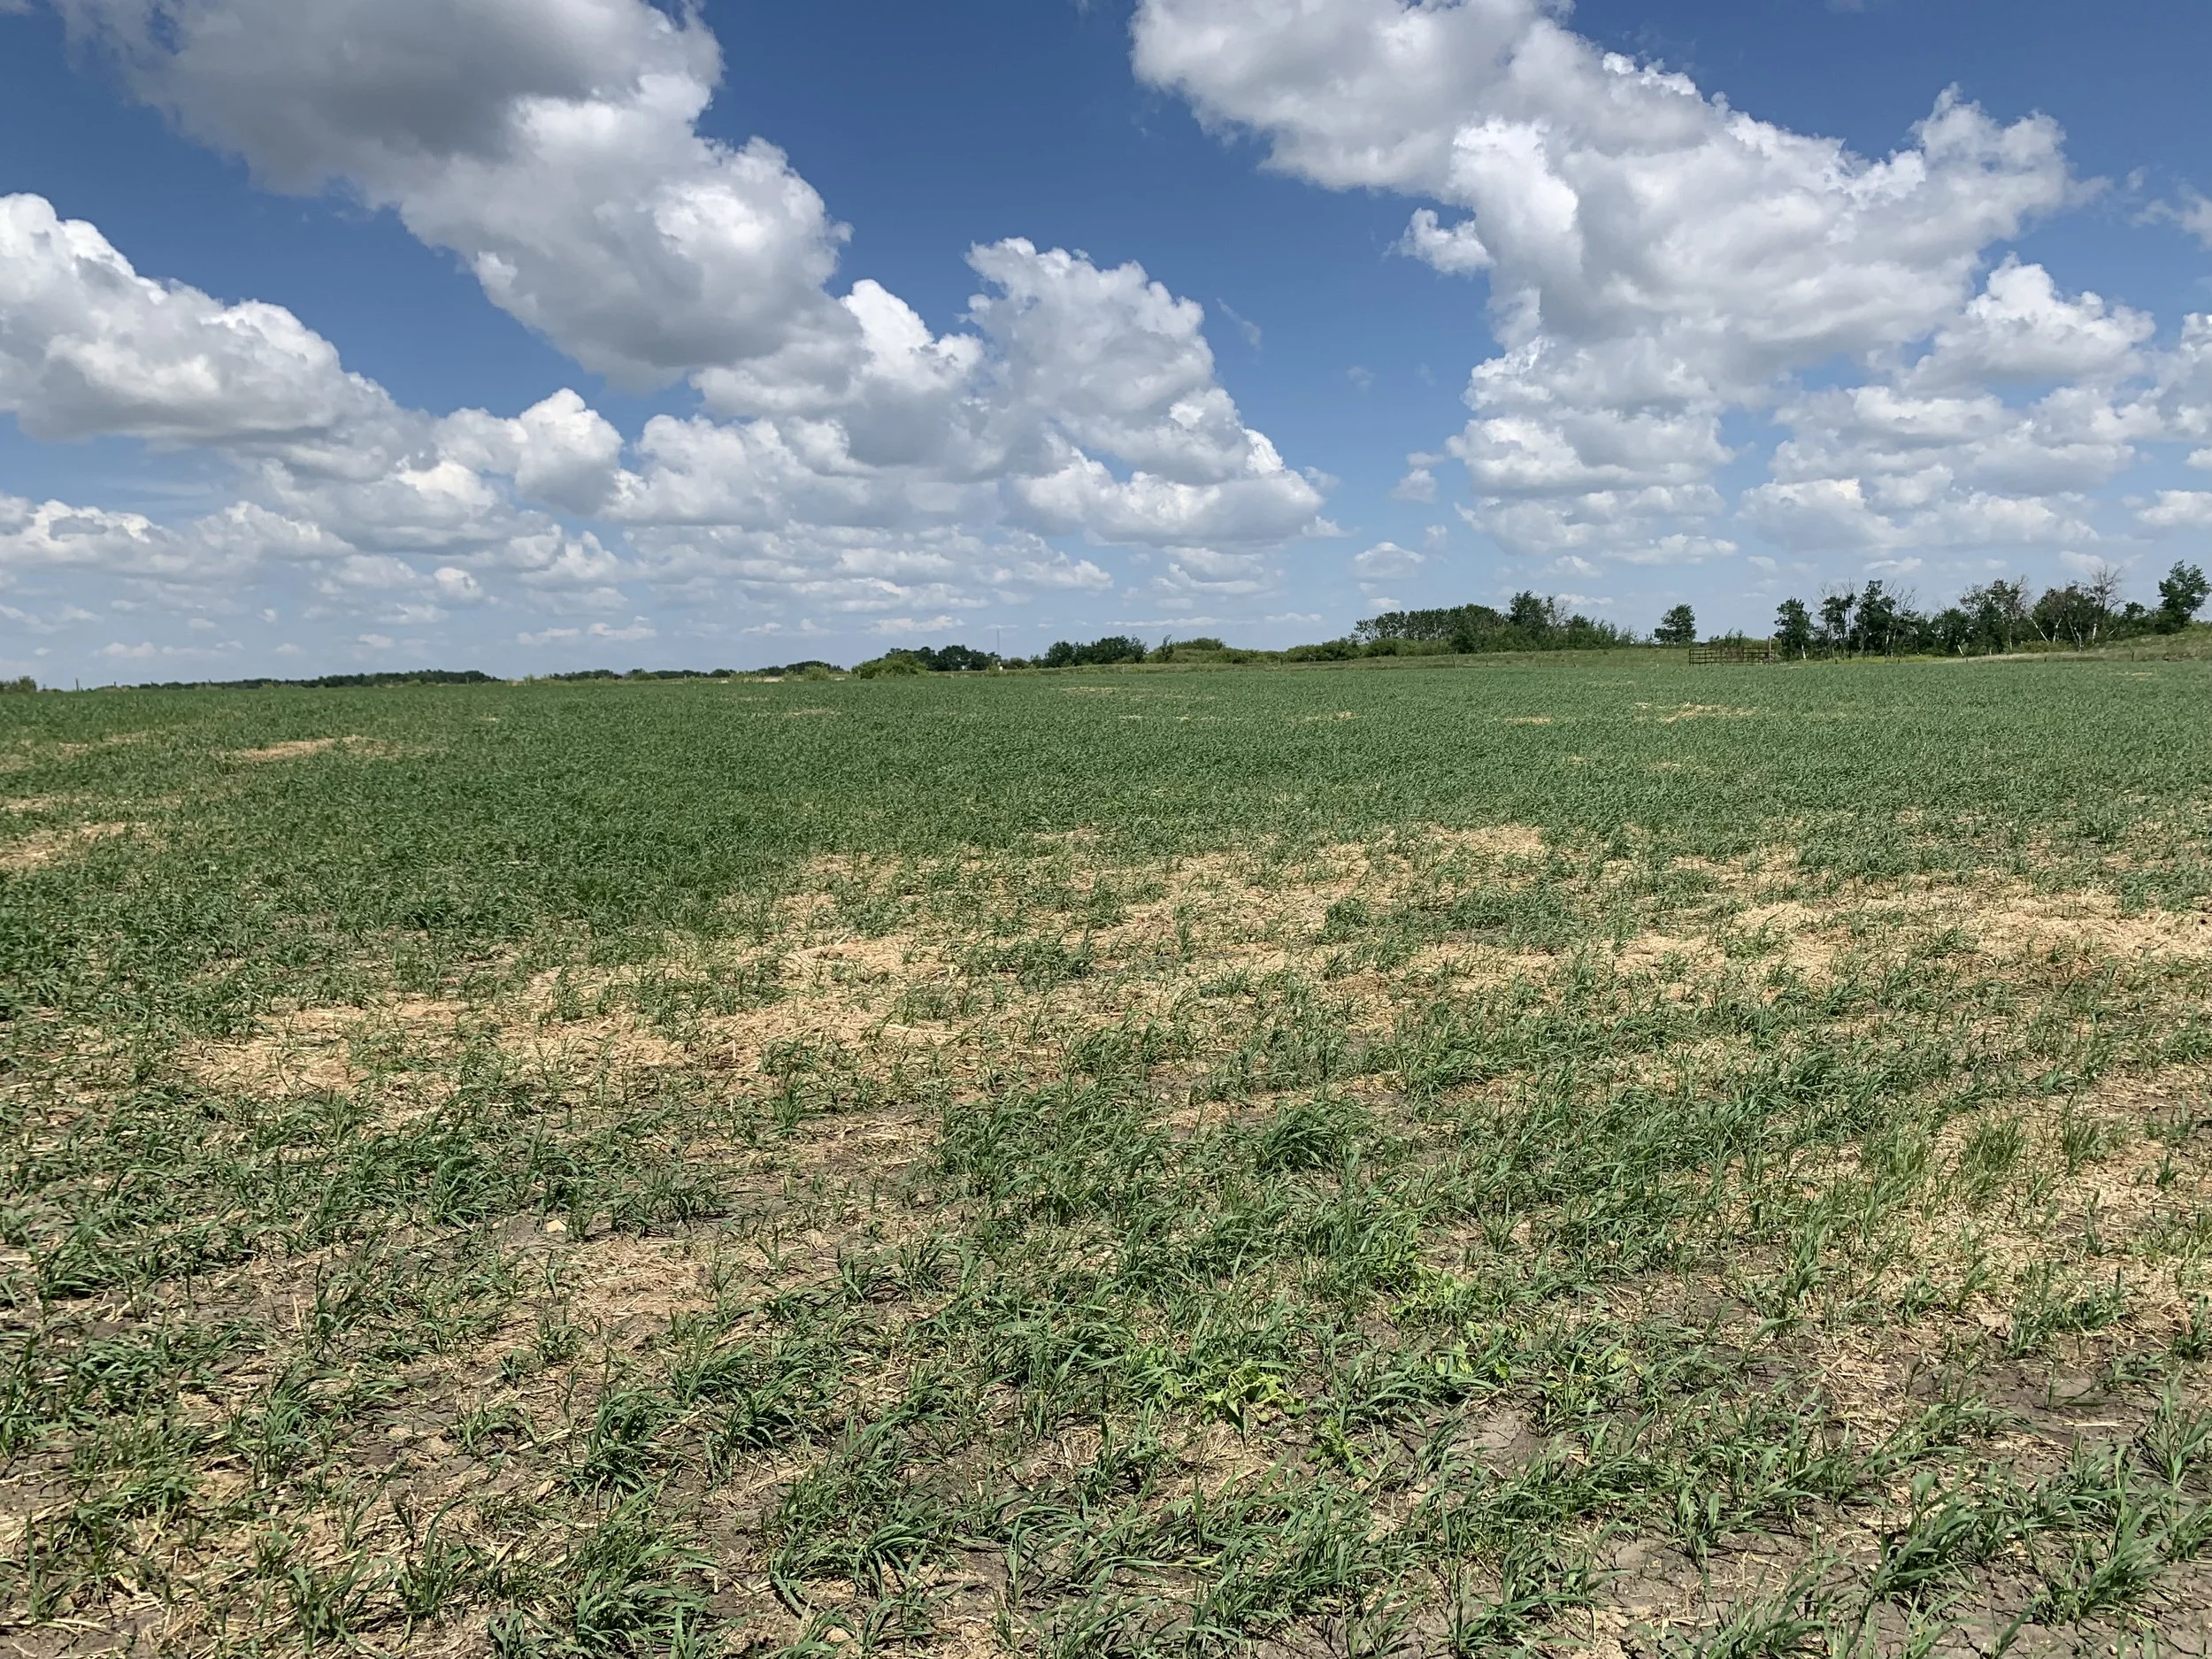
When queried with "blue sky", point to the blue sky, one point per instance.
{"points": [[350, 333]]}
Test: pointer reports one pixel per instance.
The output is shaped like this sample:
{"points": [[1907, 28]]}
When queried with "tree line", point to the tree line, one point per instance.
{"points": [[1530, 622], [1874, 620], [1994, 617], [334, 682]]}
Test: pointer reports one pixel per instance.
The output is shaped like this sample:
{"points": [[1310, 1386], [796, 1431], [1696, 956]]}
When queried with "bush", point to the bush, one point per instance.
{"points": [[1532, 623], [891, 662], [1327, 651], [1205, 649], [1115, 647]]}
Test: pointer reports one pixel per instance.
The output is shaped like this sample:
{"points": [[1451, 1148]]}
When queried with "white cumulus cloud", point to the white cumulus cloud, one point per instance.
{"points": [[1657, 261], [843, 453], [549, 144], [88, 346]]}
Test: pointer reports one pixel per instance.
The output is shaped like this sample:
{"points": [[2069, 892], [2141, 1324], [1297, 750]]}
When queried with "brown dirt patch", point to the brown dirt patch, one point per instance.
{"points": [[2091, 922], [37, 850], [1696, 712], [313, 1051], [1669, 956], [300, 747]]}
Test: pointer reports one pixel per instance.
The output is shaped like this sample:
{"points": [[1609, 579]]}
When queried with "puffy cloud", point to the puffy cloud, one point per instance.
{"points": [[2185, 381], [1115, 362], [2193, 212], [2179, 510], [1197, 574], [35, 534], [845, 457], [1418, 484], [560, 451], [88, 346], [1041, 569], [1453, 249], [1072, 362], [1657, 260], [1612, 201], [1908, 446], [860, 571], [1657, 524], [54, 536], [1814, 514], [1937, 455], [1067, 353], [401, 591], [1084, 495], [2019, 327], [551, 145], [1385, 560]]}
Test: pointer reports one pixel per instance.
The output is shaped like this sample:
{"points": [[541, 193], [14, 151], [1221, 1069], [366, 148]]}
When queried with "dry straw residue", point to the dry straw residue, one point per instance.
{"points": [[301, 748], [33, 851], [1703, 712]]}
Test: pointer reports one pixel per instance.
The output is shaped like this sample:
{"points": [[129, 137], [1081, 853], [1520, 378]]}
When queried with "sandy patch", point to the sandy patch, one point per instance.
{"points": [[1672, 957], [300, 747], [1703, 712], [1797, 932], [323, 1050], [2091, 922], [34, 852]]}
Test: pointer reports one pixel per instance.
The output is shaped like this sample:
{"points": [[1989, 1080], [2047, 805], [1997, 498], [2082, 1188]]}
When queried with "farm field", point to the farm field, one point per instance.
{"points": [[1559, 1156]]}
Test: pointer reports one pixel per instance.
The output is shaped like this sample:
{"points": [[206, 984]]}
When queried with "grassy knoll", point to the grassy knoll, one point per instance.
{"points": [[1559, 1156]]}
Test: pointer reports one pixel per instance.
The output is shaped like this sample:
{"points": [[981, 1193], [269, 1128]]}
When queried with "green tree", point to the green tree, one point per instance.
{"points": [[1678, 626], [1876, 626], [1794, 628], [1834, 633], [1952, 628], [2182, 595], [2074, 614], [1533, 613], [1999, 610]]}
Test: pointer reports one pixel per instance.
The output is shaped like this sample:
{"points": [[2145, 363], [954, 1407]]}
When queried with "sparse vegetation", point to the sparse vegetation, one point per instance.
{"points": [[1540, 1157]]}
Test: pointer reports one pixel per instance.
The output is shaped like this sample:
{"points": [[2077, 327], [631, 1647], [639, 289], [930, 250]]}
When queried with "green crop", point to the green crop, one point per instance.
{"points": [[1397, 1157]]}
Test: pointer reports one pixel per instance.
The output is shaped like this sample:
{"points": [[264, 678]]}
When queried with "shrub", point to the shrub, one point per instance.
{"points": [[889, 664], [1115, 647]]}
